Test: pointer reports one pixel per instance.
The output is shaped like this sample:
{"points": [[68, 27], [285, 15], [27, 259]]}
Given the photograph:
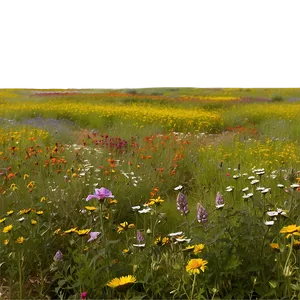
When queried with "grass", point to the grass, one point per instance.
{"points": [[56, 149]]}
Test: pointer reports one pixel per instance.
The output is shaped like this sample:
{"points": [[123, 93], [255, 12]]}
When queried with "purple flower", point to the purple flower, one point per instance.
{"points": [[58, 256], [100, 194], [139, 237], [93, 236], [182, 204], [83, 295], [201, 214]]}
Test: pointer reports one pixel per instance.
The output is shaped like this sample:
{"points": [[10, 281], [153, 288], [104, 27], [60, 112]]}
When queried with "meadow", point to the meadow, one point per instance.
{"points": [[167, 193]]}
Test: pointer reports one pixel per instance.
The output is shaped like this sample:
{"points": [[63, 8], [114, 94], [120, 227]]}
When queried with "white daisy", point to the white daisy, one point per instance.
{"points": [[179, 187], [175, 233], [269, 223], [254, 181], [135, 208], [272, 213], [139, 245], [145, 210]]}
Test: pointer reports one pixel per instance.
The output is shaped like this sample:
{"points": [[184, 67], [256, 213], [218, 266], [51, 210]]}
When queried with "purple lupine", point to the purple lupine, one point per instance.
{"points": [[139, 237], [58, 256], [219, 199], [182, 204], [100, 194], [201, 214]]}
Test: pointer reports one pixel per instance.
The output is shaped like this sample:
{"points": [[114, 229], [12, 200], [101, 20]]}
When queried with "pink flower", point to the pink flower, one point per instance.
{"points": [[93, 236], [84, 295], [100, 194]]}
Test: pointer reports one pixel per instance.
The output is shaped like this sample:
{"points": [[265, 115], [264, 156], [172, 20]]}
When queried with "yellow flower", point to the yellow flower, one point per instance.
{"points": [[125, 251], [31, 184], [275, 246], [124, 226], [2, 220], [43, 199], [74, 229], [296, 245], [156, 201], [10, 212], [7, 228], [161, 241], [5, 242], [165, 240], [20, 240], [91, 208], [198, 248], [113, 201], [33, 222], [24, 211], [122, 283], [86, 248], [25, 176], [13, 187], [291, 230], [195, 265], [40, 212], [189, 248], [83, 231], [57, 230]]}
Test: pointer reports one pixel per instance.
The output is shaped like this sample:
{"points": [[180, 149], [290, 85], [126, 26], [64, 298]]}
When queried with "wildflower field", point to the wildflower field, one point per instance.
{"points": [[169, 193]]}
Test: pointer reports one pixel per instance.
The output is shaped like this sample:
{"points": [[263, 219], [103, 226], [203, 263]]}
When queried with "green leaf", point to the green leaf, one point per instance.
{"points": [[233, 263], [62, 282], [273, 284], [295, 287], [137, 298]]}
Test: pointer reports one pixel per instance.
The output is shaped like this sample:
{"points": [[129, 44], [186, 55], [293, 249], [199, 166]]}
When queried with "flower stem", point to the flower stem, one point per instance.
{"points": [[193, 287], [289, 255], [286, 271], [188, 225], [20, 276]]}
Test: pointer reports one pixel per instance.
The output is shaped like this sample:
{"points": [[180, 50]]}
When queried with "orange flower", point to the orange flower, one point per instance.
{"points": [[11, 175]]}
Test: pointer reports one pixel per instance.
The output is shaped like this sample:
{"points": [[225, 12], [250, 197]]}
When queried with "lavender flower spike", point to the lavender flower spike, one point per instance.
{"points": [[58, 256], [201, 214], [139, 237], [219, 201], [182, 204], [100, 194]]}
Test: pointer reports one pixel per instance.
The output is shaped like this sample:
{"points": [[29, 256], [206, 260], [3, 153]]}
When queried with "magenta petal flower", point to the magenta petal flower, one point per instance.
{"points": [[93, 236], [84, 295], [100, 194]]}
